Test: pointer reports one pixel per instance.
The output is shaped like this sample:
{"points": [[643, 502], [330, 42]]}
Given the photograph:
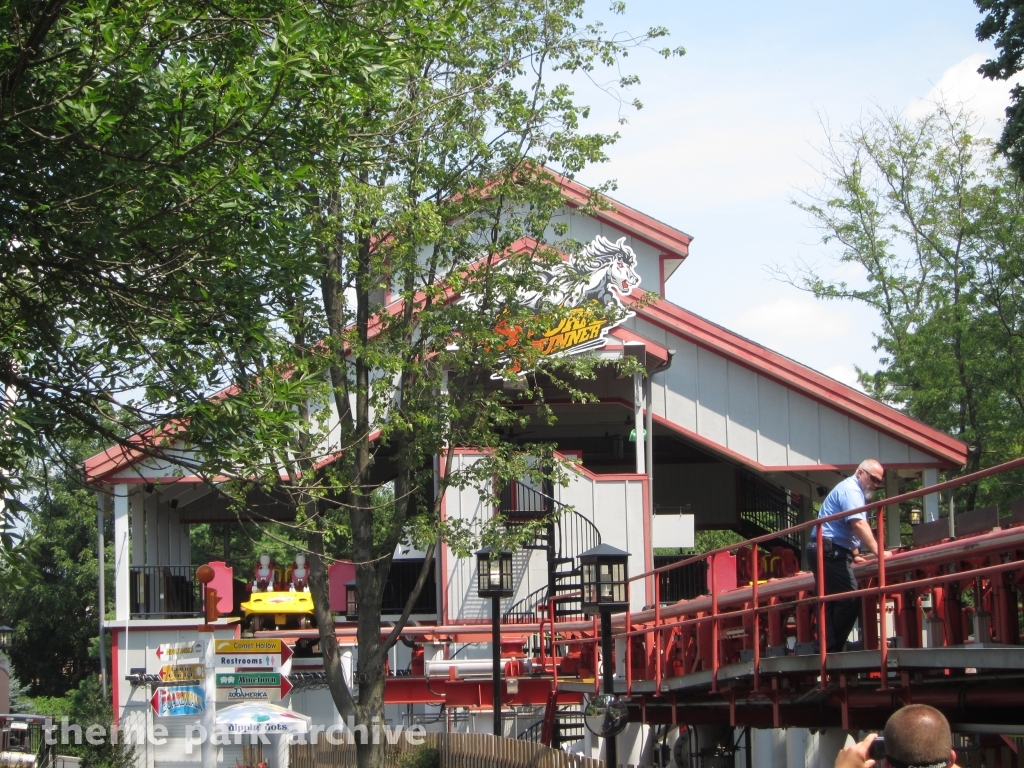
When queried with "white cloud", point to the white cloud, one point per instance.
{"points": [[787, 321], [961, 83]]}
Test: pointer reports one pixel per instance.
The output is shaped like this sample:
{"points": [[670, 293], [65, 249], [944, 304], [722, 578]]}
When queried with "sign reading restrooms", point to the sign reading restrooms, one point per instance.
{"points": [[602, 272]]}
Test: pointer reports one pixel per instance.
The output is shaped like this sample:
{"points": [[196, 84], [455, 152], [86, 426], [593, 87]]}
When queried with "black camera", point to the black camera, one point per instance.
{"points": [[877, 749]]}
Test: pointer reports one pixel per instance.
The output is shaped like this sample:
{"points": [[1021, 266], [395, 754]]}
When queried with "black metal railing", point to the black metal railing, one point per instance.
{"points": [[532, 733], [568, 535], [765, 509], [527, 610], [518, 500], [164, 591], [684, 583], [400, 583], [568, 729]]}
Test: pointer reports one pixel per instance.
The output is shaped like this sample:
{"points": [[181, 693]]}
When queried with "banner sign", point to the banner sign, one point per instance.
{"points": [[175, 651], [178, 701], [252, 686], [590, 285], [251, 653], [177, 673]]}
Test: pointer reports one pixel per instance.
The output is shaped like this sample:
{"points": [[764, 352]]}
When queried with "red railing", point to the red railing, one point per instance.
{"points": [[656, 625]]}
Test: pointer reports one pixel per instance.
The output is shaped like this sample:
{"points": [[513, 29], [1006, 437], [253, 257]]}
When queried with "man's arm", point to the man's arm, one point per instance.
{"points": [[867, 537], [857, 755]]}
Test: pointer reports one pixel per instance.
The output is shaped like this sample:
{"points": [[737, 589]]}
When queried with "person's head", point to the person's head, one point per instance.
{"points": [[870, 475], [918, 736]]}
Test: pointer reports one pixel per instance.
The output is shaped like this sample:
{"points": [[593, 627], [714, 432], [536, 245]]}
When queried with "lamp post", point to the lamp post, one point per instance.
{"points": [[494, 580], [351, 602], [604, 572]]}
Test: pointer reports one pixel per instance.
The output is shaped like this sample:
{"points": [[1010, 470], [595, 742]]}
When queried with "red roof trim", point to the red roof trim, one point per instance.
{"points": [[803, 379], [628, 219]]}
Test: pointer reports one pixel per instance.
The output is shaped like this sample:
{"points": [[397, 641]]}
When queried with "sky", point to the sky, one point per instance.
{"points": [[728, 137]]}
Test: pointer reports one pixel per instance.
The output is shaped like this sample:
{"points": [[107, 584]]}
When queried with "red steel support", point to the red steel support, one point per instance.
{"points": [[883, 646], [714, 627], [822, 634]]}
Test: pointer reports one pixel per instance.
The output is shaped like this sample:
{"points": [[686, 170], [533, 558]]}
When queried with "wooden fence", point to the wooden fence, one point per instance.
{"points": [[455, 750]]}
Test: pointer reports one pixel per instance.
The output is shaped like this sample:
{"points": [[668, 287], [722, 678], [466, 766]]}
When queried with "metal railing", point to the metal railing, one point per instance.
{"points": [[740, 620], [569, 534], [767, 509], [516, 499], [683, 583], [164, 591], [400, 583]]}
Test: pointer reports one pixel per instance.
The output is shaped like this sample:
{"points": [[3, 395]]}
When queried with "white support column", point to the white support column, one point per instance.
{"points": [[163, 539], [892, 514], [639, 398], [184, 544], [122, 551], [138, 525], [173, 538], [801, 748], [931, 501], [151, 503]]}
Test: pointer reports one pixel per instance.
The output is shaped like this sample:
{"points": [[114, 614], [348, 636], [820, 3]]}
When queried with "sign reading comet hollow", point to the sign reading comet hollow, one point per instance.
{"points": [[251, 653]]}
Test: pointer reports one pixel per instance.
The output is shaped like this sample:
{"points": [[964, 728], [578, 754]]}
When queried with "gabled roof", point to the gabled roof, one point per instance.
{"points": [[673, 241], [794, 375]]}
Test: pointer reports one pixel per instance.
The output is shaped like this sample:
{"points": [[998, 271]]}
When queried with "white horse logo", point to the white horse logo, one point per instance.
{"points": [[601, 272]]}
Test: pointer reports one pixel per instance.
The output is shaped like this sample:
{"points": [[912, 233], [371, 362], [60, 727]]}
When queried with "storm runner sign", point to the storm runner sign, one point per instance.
{"points": [[252, 686], [590, 285]]}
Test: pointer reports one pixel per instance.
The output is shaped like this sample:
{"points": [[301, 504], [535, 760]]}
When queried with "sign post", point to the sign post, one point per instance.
{"points": [[208, 721]]}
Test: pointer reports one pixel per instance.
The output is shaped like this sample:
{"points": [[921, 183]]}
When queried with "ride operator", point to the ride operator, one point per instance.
{"points": [[842, 541]]}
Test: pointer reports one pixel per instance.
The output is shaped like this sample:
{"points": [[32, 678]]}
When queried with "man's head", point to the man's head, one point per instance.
{"points": [[918, 736], [870, 475]]}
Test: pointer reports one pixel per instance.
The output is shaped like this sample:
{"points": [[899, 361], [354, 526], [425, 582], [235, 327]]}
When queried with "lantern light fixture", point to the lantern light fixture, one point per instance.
{"points": [[494, 573], [605, 570], [351, 602]]}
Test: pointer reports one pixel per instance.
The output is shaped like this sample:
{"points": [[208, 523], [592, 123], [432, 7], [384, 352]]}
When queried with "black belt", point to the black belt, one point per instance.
{"points": [[830, 547]]}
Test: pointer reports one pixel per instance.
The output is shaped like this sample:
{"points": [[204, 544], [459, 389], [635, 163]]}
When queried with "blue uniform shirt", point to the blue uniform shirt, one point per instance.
{"points": [[847, 495]]}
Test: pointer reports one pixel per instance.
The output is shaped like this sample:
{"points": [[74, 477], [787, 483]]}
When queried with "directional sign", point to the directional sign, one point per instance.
{"points": [[252, 686], [177, 673], [251, 653], [175, 651], [178, 701]]}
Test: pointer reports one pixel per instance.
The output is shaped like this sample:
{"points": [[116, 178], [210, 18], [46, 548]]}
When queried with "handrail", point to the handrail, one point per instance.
{"points": [[755, 608], [910, 495], [571, 535]]}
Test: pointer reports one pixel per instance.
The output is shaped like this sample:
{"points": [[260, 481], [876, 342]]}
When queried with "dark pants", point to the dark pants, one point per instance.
{"points": [[840, 615]]}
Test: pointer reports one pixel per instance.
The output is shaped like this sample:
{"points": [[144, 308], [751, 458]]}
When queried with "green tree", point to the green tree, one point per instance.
{"points": [[932, 220], [54, 612], [1003, 24], [397, 306], [136, 143]]}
